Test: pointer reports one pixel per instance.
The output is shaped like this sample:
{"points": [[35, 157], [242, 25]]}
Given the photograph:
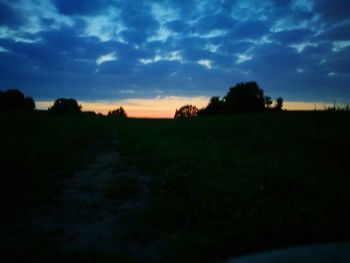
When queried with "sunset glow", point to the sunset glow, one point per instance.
{"points": [[159, 107], [164, 107]]}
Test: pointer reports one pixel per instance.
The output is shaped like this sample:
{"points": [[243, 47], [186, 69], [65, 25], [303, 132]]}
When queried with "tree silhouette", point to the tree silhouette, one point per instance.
{"points": [[268, 102], [120, 112], [186, 111], [245, 97], [65, 106], [29, 103], [215, 106], [13, 99], [279, 103]]}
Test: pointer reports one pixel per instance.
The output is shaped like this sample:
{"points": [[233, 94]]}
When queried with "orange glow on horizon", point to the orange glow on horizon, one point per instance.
{"points": [[164, 107], [302, 105], [159, 107]]}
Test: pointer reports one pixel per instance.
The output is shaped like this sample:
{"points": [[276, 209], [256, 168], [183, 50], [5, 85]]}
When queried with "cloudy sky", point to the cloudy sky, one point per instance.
{"points": [[108, 50]]}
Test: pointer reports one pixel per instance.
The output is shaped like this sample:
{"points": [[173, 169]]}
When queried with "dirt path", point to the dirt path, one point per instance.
{"points": [[101, 209]]}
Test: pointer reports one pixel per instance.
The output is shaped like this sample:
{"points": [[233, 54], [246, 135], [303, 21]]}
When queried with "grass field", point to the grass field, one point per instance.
{"points": [[38, 148], [224, 186], [221, 186]]}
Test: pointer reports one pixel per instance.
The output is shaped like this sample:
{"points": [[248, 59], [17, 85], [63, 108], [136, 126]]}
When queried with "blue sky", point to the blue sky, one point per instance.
{"points": [[115, 49]]}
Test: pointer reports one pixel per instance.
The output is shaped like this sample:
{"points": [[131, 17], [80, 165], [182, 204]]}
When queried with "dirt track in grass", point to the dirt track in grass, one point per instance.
{"points": [[101, 209]]}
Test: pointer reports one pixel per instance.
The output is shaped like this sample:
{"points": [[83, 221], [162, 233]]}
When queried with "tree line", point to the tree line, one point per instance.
{"points": [[64, 106], [14, 100], [243, 97]]}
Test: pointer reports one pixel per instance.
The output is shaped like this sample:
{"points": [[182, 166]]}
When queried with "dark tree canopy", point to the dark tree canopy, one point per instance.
{"points": [[65, 106], [13, 99], [186, 111], [245, 97], [215, 106], [29, 103], [120, 112]]}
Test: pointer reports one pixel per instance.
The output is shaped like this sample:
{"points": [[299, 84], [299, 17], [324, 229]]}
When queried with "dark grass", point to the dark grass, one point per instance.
{"points": [[124, 188], [226, 186], [46, 251], [38, 149], [221, 186]]}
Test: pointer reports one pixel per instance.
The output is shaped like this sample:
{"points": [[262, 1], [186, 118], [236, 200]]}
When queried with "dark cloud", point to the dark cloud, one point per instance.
{"points": [[292, 36], [249, 30], [283, 3], [318, 52], [192, 54], [160, 68], [215, 22], [341, 32], [339, 62], [9, 17], [117, 68], [186, 9], [134, 36], [193, 42], [179, 26], [12, 66], [139, 22], [268, 59], [234, 48], [56, 46], [79, 7], [44, 56], [126, 62], [136, 16], [333, 11]]}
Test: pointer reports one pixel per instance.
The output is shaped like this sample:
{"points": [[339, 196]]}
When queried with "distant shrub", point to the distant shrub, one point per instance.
{"points": [[279, 103], [336, 107], [13, 99], [186, 111], [65, 106], [268, 102], [120, 113]]}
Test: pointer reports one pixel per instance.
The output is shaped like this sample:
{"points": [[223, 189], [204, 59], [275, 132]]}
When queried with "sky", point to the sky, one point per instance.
{"points": [[138, 52]]}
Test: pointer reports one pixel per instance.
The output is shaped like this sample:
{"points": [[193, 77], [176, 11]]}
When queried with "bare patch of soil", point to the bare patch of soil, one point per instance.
{"points": [[102, 208]]}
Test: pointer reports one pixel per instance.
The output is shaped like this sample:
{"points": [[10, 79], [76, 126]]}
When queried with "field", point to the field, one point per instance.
{"points": [[220, 186], [231, 185], [37, 149]]}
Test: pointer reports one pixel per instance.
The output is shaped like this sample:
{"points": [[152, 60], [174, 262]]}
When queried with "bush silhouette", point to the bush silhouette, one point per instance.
{"points": [[65, 106], [13, 99], [186, 111], [120, 113]]}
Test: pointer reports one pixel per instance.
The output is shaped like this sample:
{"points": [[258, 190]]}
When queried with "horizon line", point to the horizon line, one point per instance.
{"points": [[165, 107]]}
